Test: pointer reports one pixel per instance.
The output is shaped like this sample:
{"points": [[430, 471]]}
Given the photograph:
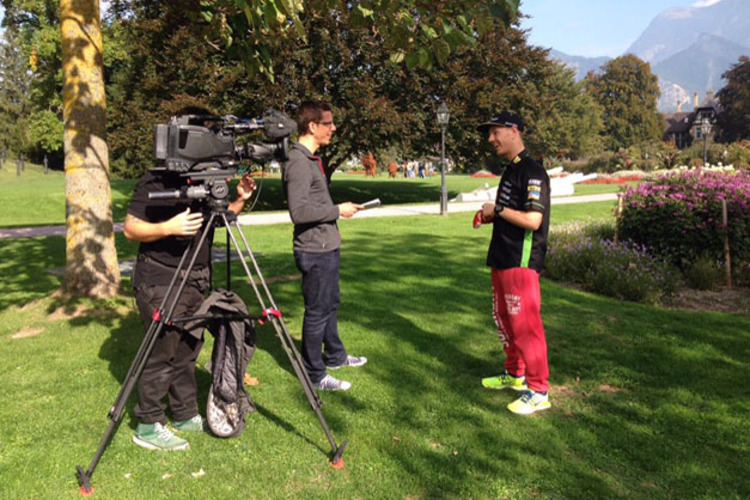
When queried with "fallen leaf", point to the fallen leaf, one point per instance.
{"points": [[166, 476], [251, 381], [455, 453], [199, 473], [435, 444], [398, 440], [128, 475], [27, 332]]}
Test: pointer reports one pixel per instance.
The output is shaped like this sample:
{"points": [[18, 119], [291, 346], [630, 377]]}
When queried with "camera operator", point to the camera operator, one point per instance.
{"points": [[520, 224], [165, 228], [316, 246]]}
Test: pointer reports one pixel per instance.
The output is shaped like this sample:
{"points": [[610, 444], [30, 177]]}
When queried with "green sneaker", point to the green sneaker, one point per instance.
{"points": [[157, 437], [530, 402], [505, 381], [195, 424]]}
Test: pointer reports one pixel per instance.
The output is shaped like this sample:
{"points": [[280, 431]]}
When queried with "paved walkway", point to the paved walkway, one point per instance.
{"points": [[265, 218]]}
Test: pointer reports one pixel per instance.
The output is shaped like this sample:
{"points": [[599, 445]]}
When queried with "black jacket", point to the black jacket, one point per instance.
{"points": [[227, 319]]}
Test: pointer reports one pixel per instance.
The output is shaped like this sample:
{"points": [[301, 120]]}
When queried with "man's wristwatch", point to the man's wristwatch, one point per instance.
{"points": [[499, 208]]}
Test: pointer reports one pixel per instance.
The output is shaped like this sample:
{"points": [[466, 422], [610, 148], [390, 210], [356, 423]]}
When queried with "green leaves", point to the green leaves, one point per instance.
{"points": [[442, 50], [417, 33], [505, 10]]}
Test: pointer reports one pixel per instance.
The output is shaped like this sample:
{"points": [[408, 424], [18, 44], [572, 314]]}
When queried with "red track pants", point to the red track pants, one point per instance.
{"points": [[516, 310]]}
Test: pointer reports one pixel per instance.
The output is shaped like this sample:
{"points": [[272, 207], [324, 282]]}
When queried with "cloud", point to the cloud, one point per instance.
{"points": [[705, 3]]}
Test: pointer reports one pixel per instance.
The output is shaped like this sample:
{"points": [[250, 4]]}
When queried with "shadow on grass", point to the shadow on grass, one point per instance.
{"points": [[24, 266], [435, 290]]}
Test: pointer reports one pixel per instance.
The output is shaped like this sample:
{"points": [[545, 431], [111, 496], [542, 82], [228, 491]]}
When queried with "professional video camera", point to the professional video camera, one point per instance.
{"points": [[204, 149], [191, 143]]}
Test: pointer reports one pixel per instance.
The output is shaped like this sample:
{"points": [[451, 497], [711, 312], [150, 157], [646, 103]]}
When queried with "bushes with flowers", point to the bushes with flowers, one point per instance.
{"points": [[588, 256], [679, 215]]}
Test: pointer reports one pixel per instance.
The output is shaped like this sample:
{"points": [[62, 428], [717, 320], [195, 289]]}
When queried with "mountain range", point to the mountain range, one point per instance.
{"points": [[689, 48]]}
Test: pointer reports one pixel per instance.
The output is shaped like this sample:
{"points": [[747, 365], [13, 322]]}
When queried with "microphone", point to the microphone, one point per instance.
{"points": [[277, 125], [371, 204]]}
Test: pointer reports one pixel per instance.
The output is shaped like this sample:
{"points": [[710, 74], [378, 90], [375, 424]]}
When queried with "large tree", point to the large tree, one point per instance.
{"points": [[92, 268], [627, 91], [381, 105], [569, 120], [36, 25], [734, 121], [15, 105]]}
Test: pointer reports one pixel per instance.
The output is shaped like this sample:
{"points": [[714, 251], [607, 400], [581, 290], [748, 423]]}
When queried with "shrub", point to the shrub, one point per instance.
{"points": [[679, 215], [601, 163], [622, 270], [738, 154], [741, 273], [703, 274]]}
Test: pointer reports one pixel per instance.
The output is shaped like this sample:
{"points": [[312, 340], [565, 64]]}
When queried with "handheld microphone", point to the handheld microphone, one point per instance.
{"points": [[371, 204]]}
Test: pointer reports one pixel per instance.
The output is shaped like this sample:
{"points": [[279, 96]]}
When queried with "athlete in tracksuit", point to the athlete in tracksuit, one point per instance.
{"points": [[520, 224]]}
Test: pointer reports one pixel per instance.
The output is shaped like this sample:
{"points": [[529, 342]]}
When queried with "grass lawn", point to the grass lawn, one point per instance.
{"points": [[35, 199], [648, 403]]}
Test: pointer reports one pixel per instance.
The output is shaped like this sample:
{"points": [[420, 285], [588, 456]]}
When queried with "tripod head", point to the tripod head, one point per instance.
{"points": [[210, 185]]}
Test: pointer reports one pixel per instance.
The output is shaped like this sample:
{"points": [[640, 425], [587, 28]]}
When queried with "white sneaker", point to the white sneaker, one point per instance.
{"points": [[329, 383], [353, 361]]}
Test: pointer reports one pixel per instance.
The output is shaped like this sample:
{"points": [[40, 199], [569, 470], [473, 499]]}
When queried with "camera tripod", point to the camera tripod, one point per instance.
{"points": [[163, 316]]}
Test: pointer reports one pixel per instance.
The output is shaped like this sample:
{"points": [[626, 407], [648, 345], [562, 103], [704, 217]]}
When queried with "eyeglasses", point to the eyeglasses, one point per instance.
{"points": [[325, 124]]}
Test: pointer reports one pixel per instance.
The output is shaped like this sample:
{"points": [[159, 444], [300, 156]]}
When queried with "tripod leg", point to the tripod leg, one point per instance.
{"points": [[283, 334], [144, 351]]}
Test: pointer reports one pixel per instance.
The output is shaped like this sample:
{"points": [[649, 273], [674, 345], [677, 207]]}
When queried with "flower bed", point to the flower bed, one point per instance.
{"points": [[679, 215], [612, 180], [624, 270]]}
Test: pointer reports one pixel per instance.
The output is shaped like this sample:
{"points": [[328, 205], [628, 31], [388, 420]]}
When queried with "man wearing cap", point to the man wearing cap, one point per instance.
{"points": [[520, 224]]}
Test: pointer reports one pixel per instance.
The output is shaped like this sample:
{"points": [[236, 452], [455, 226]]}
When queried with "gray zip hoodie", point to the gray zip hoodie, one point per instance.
{"points": [[310, 205]]}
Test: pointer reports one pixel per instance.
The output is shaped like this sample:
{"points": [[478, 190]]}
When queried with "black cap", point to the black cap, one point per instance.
{"points": [[504, 119]]}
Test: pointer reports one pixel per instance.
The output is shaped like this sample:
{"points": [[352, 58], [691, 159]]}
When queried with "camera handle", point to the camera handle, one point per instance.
{"points": [[160, 319]]}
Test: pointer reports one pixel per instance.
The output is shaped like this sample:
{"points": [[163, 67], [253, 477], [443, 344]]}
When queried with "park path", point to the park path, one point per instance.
{"points": [[265, 218]]}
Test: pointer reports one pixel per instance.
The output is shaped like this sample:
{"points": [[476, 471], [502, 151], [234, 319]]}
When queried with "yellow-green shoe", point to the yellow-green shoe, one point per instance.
{"points": [[530, 402], [505, 381]]}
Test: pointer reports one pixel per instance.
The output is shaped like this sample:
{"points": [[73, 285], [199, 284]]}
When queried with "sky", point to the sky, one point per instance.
{"points": [[593, 28]]}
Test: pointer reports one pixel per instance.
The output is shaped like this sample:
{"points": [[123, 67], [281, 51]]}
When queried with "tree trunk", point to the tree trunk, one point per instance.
{"points": [[91, 268]]}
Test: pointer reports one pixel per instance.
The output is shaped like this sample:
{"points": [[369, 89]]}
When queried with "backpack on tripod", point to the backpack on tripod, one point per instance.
{"points": [[225, 315]]}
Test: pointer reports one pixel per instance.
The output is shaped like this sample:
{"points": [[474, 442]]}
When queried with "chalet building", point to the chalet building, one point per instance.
{"points": [[684, 128]]}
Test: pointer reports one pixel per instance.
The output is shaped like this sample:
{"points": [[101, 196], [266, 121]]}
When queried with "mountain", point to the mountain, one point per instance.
{"points": [[582, 65], [688, 49], [678, 28], [699, 67]]}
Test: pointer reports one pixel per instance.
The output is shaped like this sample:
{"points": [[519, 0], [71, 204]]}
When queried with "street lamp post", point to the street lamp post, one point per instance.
{"points": [[706, 130], [443, 117]]}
